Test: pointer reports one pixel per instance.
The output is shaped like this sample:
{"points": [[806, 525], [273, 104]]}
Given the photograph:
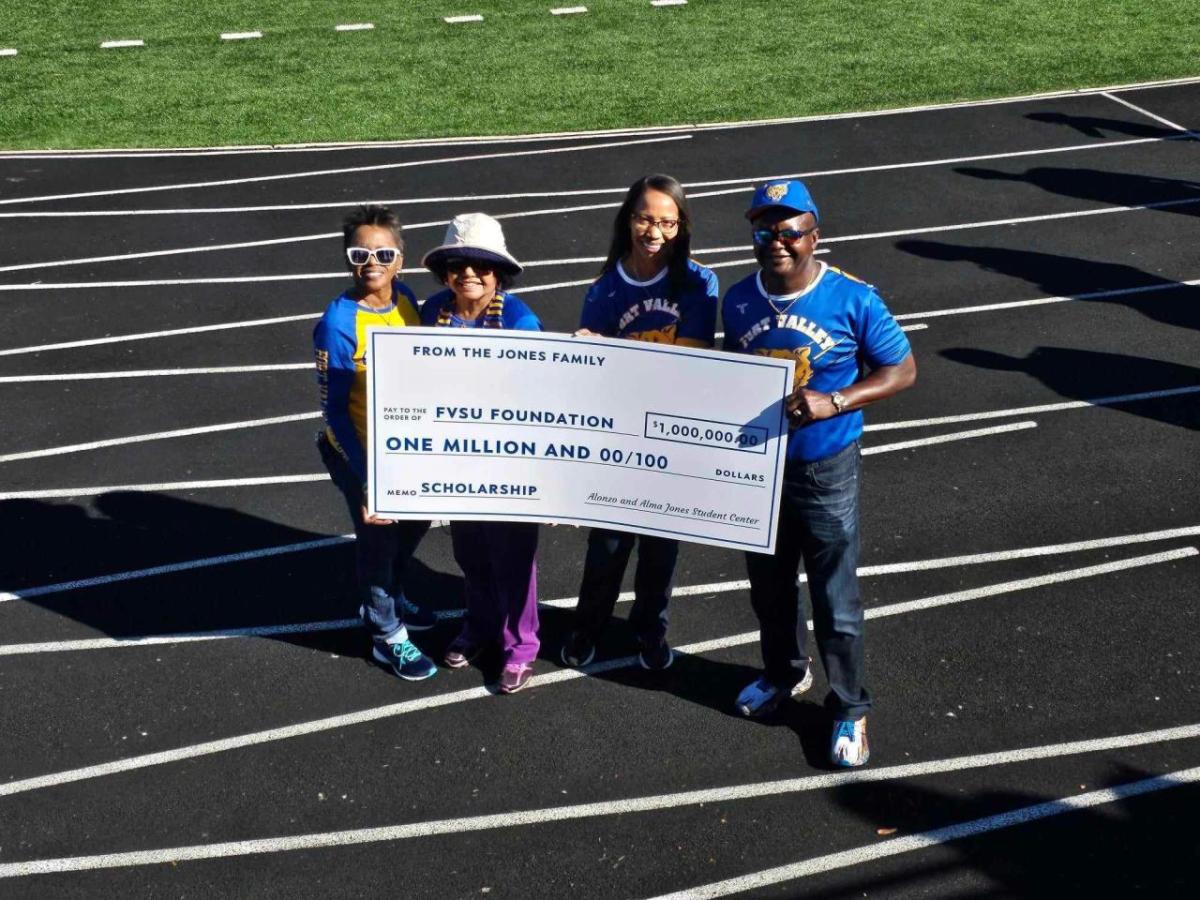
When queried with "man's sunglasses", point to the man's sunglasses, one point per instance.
{"points": [[360, 256], [783, 235]]}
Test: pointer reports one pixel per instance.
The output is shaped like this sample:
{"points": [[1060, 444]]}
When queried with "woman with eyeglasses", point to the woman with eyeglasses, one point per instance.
{"points": [[374, 251], [849, 352], [498, 559], [648, 290]]}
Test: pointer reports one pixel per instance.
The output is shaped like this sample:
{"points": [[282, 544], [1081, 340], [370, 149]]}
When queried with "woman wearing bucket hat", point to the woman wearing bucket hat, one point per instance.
{"points": [[849, 352], [648, 290], [374, 252], [498, 559]]}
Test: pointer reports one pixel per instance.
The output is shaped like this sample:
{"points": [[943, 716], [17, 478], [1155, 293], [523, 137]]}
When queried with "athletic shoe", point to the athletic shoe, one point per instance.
{"points": [[404, 659], [514, 677], [578, 651], [657, 658], [761, 698], [414, 617], [460, 653], [849, 747]]}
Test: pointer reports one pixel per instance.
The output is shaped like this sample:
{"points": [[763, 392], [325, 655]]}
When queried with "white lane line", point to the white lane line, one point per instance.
{"points": [[355, 26], [542, 151], [240, 35], [747, 183], [8, 51], [732, 793], [173, 568], [668, 2], [1030, 410], [1145, 112], [151, 373], [113, 45], [458, 20], [328, 235], [162, 486], [242, 149], [1016, 304], [157, 436], [871, 852], [568, 10], [569, 602], [543, 680], [947, 438], [149, 335]]}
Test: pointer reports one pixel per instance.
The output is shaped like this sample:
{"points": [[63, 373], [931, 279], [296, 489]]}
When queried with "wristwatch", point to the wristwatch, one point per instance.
{"points": [[838, 401]]}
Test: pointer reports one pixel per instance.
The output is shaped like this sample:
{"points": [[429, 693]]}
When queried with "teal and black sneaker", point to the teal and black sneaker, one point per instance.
{"points": [[404, 659]]}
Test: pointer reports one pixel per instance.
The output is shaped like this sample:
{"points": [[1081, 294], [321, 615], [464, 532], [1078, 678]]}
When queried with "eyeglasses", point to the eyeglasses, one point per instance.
{"points": [[359, 256], [783, 235], [645, 223], [459, 264]]}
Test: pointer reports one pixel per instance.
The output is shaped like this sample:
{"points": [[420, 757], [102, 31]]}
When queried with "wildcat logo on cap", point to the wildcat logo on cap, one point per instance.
{"points": [[776, 192]]}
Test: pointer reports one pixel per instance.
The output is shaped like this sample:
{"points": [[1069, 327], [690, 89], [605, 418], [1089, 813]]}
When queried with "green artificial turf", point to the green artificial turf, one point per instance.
{"points": [[624, 63]]}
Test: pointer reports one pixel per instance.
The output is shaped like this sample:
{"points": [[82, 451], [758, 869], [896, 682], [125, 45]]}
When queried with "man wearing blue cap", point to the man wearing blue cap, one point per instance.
{"points": [[849, 352]]}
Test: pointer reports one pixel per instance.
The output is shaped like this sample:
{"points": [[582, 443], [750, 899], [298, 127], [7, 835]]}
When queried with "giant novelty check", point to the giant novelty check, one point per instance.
{"points": [[521, 426]]}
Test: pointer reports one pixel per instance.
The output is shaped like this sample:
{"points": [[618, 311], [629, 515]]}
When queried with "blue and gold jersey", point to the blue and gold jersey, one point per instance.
{"points": [[618, 305], [505, 311], [830, 329], [340, 342]]}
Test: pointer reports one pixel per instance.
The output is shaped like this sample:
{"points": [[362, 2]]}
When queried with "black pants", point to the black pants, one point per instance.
{"points": [[607, 555]]}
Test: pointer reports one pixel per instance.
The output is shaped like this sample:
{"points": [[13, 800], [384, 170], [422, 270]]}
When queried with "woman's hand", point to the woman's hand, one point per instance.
{"points": [[586, 332], [375, 520]]}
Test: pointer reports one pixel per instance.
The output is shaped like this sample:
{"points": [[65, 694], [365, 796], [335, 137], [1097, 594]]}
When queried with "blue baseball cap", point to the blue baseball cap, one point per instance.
{"points": [[785, 194]]}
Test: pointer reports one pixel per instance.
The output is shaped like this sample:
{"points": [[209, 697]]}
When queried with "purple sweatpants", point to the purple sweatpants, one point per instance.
{"points": [[499, 560]]}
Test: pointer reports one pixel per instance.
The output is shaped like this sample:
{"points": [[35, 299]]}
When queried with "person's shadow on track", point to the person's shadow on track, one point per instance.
{"points": [[1102, 126], [1066, 276], [1114, 188], [50, 544], [1090, 375], [1136, 845]]}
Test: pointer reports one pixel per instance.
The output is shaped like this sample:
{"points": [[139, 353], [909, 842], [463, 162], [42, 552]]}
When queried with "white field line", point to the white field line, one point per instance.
{"points": [[8, 51], [355, 26], [328, 235], [568, 10], [60, 493], [733, 793], [746, 183], [152, 373], [241, 149], [459, 20], [397, 709], [173, 568], [895, 846], [114, 45], [149, 335], [157, 436], [240, 35], [668, 2], [569, 602], [408, 164], [1145, 112], [947, 438], [1031, 410], [1038, 301]]}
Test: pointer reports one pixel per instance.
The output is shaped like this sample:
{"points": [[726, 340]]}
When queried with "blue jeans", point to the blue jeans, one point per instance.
{"points": [[381, 552], [818, 522], [607, 555]]}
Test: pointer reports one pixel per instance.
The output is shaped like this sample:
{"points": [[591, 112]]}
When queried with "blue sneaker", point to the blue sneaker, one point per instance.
{"points": [[404, 659], [760, 698], [849, 748]]}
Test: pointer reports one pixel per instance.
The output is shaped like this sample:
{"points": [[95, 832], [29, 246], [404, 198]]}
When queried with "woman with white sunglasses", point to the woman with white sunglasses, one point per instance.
{"points": [[374, 251]]}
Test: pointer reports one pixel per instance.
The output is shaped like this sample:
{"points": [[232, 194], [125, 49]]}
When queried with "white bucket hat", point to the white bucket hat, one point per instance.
{"points": [[473, 235]]}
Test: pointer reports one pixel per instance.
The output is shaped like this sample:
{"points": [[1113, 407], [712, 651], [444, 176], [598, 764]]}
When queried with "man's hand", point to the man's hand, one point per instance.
{"points": [[805, 406]]}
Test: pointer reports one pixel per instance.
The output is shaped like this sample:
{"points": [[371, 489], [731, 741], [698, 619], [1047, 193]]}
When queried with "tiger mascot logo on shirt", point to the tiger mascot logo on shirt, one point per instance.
{"points": [[803, 366], [664, 335]]}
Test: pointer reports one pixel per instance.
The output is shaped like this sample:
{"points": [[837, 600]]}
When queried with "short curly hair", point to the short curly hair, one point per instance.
{"points": [[377, 216]]}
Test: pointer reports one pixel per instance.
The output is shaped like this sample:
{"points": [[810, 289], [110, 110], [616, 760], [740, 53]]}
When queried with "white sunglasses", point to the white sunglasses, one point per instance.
{"points": [[359, 256]]}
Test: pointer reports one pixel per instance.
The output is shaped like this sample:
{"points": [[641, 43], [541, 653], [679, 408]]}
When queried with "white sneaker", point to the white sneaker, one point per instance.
{"points": [[849, 747]]}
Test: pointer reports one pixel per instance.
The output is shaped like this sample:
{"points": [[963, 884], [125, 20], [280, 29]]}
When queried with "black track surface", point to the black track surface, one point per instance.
{"points": [[1106, 655]]}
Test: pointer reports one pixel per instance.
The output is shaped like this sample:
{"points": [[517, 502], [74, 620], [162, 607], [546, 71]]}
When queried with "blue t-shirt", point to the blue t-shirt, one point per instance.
{"points": [[505, 311], [830, 329], [340, 344], [618, 305]]}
